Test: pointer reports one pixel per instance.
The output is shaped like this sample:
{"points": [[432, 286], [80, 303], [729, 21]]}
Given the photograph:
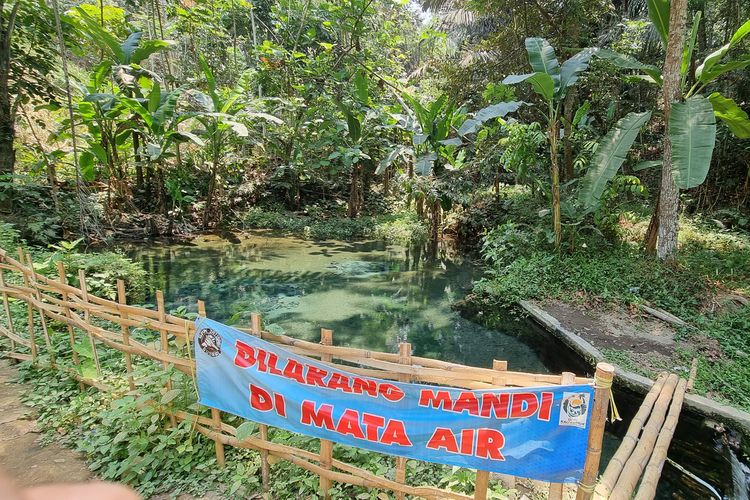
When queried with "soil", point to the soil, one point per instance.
{"points": [[615, 328], [21, 454]]}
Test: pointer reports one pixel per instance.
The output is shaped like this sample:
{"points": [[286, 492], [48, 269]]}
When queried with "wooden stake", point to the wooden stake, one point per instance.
{"points": [[164, 345], [215, 414], [40, 310], [122, 300], [87, 318], [6, 305], [603, 384], [404, 358], [693, 374], [556, 489], [256, 329], [326, 446], [481, 485], [29, 313]]}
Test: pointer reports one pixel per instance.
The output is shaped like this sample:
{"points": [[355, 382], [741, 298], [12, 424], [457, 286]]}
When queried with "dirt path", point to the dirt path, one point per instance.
{"points": [[21, 455]]}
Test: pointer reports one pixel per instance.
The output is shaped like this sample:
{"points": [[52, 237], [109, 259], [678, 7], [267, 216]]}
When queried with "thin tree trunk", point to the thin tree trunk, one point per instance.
{"points": [[555, 175], [669, 200], [354, 193], [653, 230], [568, 105]]}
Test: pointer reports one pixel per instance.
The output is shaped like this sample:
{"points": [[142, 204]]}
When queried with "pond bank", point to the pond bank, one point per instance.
{"points": [[634, 381]]}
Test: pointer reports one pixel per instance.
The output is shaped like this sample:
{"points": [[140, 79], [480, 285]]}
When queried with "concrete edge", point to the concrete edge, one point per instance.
{"points": [[700, 404]]}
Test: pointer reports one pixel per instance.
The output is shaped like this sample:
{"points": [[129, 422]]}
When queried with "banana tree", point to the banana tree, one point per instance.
{"points": [[158, 123], [124, 58], [223, 115], [691, 128], [438, 130], [551, 81]]}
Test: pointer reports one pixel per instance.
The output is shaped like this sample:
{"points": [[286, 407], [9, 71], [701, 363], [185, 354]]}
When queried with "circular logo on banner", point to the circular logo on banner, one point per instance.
{"points": [[209, 342], [575, 405]]}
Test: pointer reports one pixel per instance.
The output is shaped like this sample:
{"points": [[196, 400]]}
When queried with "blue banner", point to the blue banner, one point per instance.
{"points": [[539, 433]]}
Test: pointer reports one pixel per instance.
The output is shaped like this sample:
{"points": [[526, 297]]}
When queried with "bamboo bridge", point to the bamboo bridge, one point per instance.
{"points": [[59, 315]]}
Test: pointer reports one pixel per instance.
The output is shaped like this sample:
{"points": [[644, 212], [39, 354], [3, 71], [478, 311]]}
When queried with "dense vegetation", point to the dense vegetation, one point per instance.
{"points": [[593, 152]]}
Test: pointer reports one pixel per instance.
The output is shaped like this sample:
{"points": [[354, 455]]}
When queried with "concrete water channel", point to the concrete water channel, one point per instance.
{"points": [[375, 295]]}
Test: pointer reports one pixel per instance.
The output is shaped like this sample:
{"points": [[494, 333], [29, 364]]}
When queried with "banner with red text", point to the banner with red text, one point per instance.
{"points": [[539, 433]]}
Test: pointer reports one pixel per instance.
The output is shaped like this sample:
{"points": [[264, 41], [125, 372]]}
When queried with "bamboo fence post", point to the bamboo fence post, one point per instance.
{"points": [[603, 385], [629, 441], [123, 300], [556, 489], [87, 318], [62, 277], [326, 446], [215, 414], [164, 345], [633, 468], [265, 468], [647, 489], [404, 358], [693, 374], [499, 380], [40, 310], [6, 305], [29, 313]]}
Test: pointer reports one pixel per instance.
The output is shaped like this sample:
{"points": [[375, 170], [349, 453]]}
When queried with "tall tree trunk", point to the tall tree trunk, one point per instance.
{"points": [[669, 199], [555, 175], [7, 118], [209, 197], [138, 162]]}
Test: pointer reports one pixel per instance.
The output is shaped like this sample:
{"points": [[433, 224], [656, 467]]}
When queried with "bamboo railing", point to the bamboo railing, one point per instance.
{"points": [[107, 324]]}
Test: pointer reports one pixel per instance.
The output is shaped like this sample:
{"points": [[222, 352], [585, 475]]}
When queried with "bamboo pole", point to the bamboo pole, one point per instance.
{"points": [[693, 374], [6, 306], [215, 414], [647, 488], [66, 312], [603, 384], [87, 319], [556, 489], [164, 340], [635, 465], [326, 446], [256, 327], [629, 441], [29, 313], [404, 358], [122, 299]]}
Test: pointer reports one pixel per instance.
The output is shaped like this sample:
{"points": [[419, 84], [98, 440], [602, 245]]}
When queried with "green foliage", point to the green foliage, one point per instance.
{"points": [[401, 229]]}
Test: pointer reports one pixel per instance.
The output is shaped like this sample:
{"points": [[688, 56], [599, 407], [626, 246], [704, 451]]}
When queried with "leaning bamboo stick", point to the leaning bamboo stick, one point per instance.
{"points": [[87, 318], [326, 446], [404, 358], [556, 489], [40, 310], [62, 276], [635, 465], [603, 384], [629, 441], [164, 345], [29, 313], [122, 299], [6, 305], [265, 467], [647, 488]]}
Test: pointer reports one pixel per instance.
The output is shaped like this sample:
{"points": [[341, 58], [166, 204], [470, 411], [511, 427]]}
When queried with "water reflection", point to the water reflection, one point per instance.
{"points": [[371, 294]]}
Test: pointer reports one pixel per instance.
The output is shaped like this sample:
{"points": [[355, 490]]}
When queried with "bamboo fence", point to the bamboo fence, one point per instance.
{"points": [[108, 325]]}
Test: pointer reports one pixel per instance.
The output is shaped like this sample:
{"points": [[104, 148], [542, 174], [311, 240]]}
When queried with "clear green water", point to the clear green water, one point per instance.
{"points": [[371, 294]]}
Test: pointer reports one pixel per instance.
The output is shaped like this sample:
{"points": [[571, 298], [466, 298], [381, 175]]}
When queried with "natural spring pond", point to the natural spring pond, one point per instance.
{"points": [[373, 296]]}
